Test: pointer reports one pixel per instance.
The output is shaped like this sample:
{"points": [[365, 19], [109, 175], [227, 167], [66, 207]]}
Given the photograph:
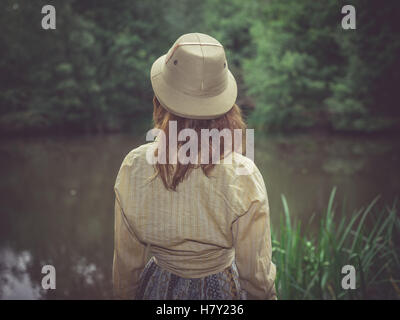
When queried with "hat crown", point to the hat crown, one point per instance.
{"points": [[196, 65]]}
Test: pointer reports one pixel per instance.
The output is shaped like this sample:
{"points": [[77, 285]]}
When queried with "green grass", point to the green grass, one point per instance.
{"points": [[309, 263]]}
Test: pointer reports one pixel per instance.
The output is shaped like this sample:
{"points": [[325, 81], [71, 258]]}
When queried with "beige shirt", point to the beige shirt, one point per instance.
{"points": [[195, 231]]}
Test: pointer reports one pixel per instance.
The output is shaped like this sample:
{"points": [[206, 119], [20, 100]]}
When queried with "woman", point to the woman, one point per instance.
{"points": [[197, 229]]}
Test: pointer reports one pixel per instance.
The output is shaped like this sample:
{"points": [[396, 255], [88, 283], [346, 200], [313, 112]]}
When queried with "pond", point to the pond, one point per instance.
{"points": [[56, 203]]}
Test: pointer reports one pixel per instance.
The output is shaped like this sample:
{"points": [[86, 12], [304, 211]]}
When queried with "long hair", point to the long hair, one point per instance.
{"points": [[171, 176]]}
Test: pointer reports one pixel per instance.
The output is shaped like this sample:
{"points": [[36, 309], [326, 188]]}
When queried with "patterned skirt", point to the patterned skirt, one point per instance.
{"points": [[156, 283]]}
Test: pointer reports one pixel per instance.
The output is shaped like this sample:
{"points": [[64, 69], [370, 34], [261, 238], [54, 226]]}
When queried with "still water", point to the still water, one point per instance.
{"points": [[56, 199]]}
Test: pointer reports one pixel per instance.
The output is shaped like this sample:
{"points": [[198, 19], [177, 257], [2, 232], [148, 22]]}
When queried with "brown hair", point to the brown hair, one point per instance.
{"points": [[161, 118]]}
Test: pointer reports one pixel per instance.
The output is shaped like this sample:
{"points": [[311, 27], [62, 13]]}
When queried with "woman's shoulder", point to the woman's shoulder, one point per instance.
{"points": [[133, 165], [239, 173], [245, 183], [137, 154], [240, 167], [135, 161]]}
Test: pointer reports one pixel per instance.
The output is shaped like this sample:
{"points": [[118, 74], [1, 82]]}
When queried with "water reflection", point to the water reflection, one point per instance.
{"points": [[305, 169], [15, 280], [56, 199]]}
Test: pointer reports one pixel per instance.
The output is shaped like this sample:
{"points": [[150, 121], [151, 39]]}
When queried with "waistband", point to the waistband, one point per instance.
{"points": [[195, 266]]}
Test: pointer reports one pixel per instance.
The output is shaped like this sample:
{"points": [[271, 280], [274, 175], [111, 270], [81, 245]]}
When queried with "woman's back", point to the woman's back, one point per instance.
{"points": [[202, 221], [191, 231]]}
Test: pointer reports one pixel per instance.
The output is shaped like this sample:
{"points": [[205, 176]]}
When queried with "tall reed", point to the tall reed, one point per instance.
{"points": [[309, 264]]}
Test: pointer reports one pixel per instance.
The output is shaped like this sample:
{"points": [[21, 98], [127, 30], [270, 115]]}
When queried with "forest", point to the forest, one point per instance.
{"points": [[296, 67], [323, 101]]}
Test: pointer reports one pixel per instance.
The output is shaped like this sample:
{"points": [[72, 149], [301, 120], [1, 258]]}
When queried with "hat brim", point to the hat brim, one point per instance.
{"points": [[187, 106]]}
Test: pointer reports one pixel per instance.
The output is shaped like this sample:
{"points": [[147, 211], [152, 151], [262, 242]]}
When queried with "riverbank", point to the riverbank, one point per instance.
{"points": [[310, 264], [66, 184], [28, 124]]}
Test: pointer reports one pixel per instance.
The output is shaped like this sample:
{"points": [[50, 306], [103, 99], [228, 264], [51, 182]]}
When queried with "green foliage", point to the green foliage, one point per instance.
{"points": [[309, 72], [292, 61], [91, 73], [309, 264]]}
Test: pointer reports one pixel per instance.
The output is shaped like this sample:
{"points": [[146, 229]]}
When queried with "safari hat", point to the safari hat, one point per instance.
{"points": [[193, 80]]}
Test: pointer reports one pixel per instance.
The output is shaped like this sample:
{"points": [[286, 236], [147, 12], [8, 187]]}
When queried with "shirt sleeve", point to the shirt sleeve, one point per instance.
{"points": [[253, 251], [129, 257]]}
